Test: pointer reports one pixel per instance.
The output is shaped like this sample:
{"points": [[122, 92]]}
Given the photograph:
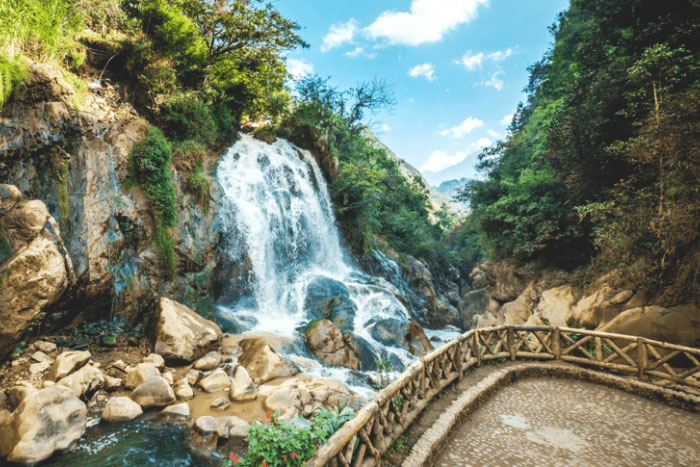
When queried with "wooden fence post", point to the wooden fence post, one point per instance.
{"points": [[643, 358], [476, 347], [510, 341], [556, 345]]}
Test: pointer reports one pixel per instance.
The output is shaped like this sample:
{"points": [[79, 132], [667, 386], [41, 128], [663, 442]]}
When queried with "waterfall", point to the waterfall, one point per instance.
{"points": [[284, 252]]}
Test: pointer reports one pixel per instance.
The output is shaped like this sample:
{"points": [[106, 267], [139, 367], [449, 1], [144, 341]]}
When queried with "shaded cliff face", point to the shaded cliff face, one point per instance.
{"points": [[74, 158]]}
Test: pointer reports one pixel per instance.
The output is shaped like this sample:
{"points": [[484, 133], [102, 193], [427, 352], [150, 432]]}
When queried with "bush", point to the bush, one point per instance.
{"points": [[150, 169], [187, 117]]}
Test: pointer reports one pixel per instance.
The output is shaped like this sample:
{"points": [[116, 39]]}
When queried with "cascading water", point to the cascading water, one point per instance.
{"points": [[284, 250]]}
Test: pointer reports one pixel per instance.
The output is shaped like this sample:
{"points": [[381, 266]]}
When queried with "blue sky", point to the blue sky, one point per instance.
{"points": [[457, 67]]}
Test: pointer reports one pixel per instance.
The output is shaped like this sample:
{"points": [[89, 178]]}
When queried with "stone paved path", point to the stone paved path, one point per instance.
{"points": [[558, 422]]}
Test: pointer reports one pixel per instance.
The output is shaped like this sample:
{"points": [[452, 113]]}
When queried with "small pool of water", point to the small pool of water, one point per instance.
{"points": [[147, 442], [562, 422]]}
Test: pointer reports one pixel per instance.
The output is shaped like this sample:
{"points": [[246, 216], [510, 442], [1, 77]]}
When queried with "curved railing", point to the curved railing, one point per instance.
{"points": [[361, 441]]}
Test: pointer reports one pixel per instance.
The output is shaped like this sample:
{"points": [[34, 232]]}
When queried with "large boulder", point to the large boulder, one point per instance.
{"points": [[554, 307], [209, 362], [84, 381], [181, 334], [121, 409], [262, 362], [45, 421], [329, 299], [154, 392], [69, 361], [242, 386], [216, 381], [416, 341], [136, 375], [475, 303], [328, 343], [37, 271], [678, 325]]}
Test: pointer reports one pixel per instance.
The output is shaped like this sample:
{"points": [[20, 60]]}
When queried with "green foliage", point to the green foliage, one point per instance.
{"points": [[601, 163], [186, 117], [283, 444], [5, 245], [13, 72], [198, 183], [150, 169]]}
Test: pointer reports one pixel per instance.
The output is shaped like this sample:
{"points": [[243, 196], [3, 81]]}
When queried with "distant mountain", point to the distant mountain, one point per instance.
{"points": [[451, 188]]}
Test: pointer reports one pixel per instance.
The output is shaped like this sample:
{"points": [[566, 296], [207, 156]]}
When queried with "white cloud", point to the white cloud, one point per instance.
{"points": [[339, 34], [427, 21], [494, 81], [507, 119], [471, 62], [360, 51], [500, 55], [385, 128], [482, 143], [425, 70], [464, 128], [440, 160], [299, 68], [493, 134]]}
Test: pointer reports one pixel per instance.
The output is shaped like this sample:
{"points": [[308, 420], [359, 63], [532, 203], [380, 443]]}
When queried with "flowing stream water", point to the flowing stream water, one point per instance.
{"points": [[285, 256]]}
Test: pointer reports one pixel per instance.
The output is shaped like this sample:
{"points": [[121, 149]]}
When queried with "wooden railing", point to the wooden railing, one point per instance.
{"points": [[361, 441]]}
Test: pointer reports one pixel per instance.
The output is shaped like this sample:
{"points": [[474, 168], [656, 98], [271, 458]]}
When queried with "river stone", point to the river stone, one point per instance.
{"points": [[193, 376], [327, 342], [40, 367], [210, 361], [177, 410], [242, 386], [388, 331], [156, 360], [231, 427], [40, 356], [154, 392], [136, 375], [45, 421], [220, 403], [84, 381], [205, 425], [262, 362], [112, 384], [183, 390], [216, 381], [121, 409], [46, 347], [68, 362], [181, 334]]}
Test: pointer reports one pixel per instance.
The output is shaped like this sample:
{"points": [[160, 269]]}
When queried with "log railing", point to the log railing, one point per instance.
{"points": [[362, 441]]}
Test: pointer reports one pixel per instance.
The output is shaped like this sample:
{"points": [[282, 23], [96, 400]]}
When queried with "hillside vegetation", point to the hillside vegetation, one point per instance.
{"points": [[601, 169]]}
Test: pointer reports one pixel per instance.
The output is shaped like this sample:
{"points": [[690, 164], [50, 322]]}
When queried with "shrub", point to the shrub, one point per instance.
{"points": [[285, 444], [150, 169], [186, 117]]}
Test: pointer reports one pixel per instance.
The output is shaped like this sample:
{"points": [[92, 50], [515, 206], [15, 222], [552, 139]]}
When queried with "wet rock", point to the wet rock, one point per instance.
{"points": [[328, 343], [45, 421], [210, 361], [156, 360], [262, 362], [220, 403], [183, 390], [121, 409], [154, 392], [205, 425], [329, 299], [177, 410], [136, 375], [242, 386], [68, 362], [84, 381], [181, 334], [216, 381], [416, 341], [388, 331]]}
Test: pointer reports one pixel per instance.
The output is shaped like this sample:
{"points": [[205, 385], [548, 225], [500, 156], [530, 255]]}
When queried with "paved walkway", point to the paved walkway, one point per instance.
{"points": [[563, 422]]}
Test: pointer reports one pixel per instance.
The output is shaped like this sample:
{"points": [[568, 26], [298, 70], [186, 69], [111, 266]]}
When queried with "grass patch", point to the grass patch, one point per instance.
{"points": [[80, 90], [13, 73]]}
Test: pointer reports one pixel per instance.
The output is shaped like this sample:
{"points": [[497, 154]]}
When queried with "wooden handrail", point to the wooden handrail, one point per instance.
{"points": [[362, 441]]}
